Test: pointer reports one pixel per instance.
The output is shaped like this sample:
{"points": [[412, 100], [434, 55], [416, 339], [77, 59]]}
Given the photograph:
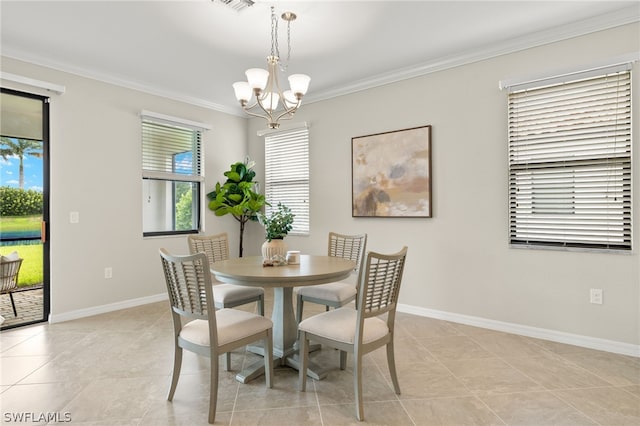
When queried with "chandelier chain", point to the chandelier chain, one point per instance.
{"points": [[284, 64], [275, 51], [288, 41]]}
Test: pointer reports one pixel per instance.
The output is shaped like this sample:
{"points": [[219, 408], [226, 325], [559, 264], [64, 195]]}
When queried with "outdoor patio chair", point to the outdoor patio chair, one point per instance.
{"points": [[9, 269]]}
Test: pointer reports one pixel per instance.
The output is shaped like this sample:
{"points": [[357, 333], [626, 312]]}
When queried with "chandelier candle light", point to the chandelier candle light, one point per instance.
{"points": [[269, 97]]}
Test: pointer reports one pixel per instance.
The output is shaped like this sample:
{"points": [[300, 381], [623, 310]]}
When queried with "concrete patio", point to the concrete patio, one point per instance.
{"points": [[28, 306]]}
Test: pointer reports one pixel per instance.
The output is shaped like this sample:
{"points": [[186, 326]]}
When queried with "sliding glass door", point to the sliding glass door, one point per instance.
{"points": [[24, 208]]}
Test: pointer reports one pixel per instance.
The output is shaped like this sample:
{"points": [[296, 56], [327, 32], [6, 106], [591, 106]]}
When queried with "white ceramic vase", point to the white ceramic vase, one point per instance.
{"points": [[272, 248]]}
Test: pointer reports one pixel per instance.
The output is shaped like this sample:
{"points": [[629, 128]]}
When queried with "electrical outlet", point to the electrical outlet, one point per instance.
{"points": [[108, 272], [596, 296], [74, 217]]}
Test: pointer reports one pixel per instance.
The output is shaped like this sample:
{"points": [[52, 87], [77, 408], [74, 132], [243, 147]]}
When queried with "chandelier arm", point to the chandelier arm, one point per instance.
{"points": [[262, 107], [275, 81], [288, 111], [253, 114], [286, 114], [248, 109], [245, 107], [267, 115], [272, 63]]}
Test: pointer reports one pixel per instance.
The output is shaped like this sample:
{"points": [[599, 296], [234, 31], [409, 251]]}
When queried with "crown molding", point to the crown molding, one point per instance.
{"points": [[606, 21], [38, 84], [611, 20], [110, 79]]}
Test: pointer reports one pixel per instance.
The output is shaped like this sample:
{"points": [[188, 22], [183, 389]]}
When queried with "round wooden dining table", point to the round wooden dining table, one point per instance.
{"points": [[249, 271]]}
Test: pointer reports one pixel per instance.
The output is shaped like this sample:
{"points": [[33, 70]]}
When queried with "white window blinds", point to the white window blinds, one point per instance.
{"points": [[287, 175], [171, 152], [570, 162]]}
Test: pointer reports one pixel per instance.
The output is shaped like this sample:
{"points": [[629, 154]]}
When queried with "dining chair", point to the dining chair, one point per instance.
{"points": [[216, 248], [361, 330], [9, 270], [335, 294], [200, 328]]}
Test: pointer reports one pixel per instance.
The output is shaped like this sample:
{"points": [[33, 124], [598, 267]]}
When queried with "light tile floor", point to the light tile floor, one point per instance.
{"points": [[114, 369]]}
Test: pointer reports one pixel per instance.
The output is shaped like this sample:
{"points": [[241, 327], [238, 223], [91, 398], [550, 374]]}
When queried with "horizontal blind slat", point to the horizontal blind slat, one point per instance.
{"points": [[287, 175], [171, 149], [570, 163]]}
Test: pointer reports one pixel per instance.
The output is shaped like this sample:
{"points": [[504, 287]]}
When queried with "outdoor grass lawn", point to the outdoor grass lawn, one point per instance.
{"points": [[31, 270], [20, 223]]}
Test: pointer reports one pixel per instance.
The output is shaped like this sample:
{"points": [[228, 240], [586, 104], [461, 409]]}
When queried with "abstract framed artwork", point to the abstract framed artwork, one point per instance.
{"points": [[391, 174]]}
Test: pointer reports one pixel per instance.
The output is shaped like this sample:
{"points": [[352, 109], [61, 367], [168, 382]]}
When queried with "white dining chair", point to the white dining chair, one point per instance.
{"points": [[200, 328], [335, 294], [216, 248], [361, 330]]}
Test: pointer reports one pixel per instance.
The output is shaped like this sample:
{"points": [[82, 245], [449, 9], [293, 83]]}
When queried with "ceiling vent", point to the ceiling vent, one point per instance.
{"points": [[236, 5]]}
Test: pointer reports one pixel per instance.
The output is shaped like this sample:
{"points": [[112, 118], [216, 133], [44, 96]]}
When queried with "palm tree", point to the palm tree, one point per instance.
{"points": [[10, 147]]}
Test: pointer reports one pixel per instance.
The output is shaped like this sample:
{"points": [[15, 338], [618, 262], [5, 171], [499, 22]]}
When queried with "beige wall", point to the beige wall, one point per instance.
{"points": [[96, 171], [459, 261]]}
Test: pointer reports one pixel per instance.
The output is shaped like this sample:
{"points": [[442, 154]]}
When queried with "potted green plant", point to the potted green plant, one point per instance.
{"points": [[277, 225], [238, 196]]}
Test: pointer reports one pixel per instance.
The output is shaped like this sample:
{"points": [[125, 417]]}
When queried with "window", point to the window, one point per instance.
{"points": [[570, 161], [287, 175], [171, 175]]}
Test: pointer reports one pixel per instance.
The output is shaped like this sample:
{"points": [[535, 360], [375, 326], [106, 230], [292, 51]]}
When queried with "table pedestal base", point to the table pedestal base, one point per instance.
{"points": [[312, 270], [285, 339], [256, 369]]}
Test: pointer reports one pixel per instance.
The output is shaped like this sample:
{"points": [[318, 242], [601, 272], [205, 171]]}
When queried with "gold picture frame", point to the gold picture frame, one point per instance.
{"points": [[391, 174]]}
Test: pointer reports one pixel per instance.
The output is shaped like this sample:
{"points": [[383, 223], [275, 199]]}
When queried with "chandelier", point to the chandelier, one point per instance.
{"points": [[270, 102]]}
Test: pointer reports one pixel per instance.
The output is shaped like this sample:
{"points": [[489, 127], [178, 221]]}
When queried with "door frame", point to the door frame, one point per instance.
{"points": [[46, 245]]}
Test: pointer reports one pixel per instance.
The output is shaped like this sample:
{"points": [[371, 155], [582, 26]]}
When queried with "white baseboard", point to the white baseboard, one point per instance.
{"points": [[524, 330], [82, 313]]}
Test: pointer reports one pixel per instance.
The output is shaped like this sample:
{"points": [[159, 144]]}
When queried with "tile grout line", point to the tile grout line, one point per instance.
{"points": [[315, 391], [471, 392], [576, 408], [384, 377]]}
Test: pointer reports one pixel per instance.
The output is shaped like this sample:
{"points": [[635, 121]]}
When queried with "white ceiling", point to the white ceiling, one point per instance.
{"points": [[194, 50]]}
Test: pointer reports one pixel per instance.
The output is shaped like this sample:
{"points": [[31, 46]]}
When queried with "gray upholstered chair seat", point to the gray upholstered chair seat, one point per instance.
{"points": [[337, 294], [230, 294], [232, 325], [333, 292], [340, 325]]}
